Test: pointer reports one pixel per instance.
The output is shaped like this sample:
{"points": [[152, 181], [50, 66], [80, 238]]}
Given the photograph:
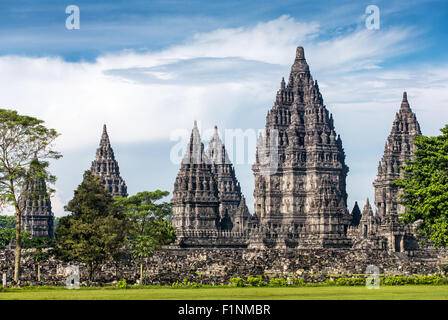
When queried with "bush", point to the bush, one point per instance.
{"points": [[298, 282], [122, 284], [237, 282], [350, 282], [256, 282], [186, 284], [278, 282], [400, 281]]}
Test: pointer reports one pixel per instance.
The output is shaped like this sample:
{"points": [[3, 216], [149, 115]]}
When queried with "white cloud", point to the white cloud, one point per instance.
{"points": [[146, 96]]}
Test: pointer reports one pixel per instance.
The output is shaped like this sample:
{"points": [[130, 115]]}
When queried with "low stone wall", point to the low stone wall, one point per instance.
{"points": [[219, 265]]}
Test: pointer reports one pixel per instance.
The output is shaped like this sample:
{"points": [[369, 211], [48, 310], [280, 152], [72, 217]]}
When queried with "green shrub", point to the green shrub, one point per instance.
{"points": [[256, 282], [278, 282], [237, 282], [186, 284], [122, 284], [298, 282], [350, 282]]}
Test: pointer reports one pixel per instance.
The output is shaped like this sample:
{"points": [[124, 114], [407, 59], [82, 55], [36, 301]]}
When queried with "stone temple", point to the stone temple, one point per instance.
{"points": [[106, 167], [300, 198], [303, 202], [37, 217], [208, 207], [384, 229], [300, 174]]}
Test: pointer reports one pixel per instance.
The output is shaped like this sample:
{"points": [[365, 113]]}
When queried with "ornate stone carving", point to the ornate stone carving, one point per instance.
{"points": [[106, 167]]}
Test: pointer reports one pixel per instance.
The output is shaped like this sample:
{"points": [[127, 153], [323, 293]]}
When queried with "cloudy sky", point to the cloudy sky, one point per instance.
{"points": [[148, 69]]}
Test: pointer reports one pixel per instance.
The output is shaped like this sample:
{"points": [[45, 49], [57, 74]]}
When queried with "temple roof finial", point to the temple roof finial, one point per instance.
{"points": [[300, 53], [300, 64], [404, 102]]}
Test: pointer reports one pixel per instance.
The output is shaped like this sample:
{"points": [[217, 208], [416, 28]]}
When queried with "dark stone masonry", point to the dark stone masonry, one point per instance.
{"points": [[106, 167], [37, 217], [217, 266]]}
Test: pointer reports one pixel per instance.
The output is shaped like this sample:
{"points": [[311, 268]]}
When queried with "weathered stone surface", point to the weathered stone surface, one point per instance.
{"points": [[219, 265], [208, 207], [37, 216], [304, 198], [106, 167], [384, 229]]}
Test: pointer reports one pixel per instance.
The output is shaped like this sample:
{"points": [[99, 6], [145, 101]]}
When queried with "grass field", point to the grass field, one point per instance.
{"points": [[408, 292]]}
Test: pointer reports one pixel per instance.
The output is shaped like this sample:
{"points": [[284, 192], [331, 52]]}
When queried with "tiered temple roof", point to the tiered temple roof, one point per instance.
{"points": [[304, 189], [398, 149], [37, 217], [106, 167]]}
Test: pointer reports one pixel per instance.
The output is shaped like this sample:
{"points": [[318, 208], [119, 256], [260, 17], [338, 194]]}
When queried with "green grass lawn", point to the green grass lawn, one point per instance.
{"points": [[310, 293]]}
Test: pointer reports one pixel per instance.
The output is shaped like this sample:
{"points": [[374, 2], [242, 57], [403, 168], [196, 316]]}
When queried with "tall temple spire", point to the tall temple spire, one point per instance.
{"points": [[195, 148], [195, 196], [37, 217], [367, 210], [399, 148], [229, 190], [307, 149], [106, 167]]}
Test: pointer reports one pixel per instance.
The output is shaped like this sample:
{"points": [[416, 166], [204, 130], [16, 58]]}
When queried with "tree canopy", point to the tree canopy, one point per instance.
{"points": [[425, 189], [149, 224], [96, 228], [25, 147]]}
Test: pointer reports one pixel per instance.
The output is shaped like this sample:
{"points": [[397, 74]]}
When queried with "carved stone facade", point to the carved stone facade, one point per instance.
{"points": [[300, 171], [37, 217], [399, 148], [208, 207], [300, 174], [106, 167]]}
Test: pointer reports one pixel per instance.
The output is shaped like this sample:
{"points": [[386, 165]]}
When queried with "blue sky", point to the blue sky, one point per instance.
{"points": [[149, 68]]}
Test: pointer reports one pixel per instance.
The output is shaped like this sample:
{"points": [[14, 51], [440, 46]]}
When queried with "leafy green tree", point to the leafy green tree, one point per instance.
{"points": [[425, 189], [23, 140], [149, 225], [7, 230], [96, 229]]}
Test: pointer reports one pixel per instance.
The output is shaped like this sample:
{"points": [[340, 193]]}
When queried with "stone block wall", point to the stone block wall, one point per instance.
{"points": [[219, 265]]}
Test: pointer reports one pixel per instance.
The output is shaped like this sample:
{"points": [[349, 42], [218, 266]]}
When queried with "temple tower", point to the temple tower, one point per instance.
{"points": [[232, 205], [37, 217], [399, 148], [106, 167], [300, 168], [195, 196]]}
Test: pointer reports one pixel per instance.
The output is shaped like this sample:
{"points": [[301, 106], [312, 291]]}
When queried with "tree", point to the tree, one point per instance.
{"points": [[23, 140], [149, 226], [95, 230], [425, 189], [7, 230]]}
